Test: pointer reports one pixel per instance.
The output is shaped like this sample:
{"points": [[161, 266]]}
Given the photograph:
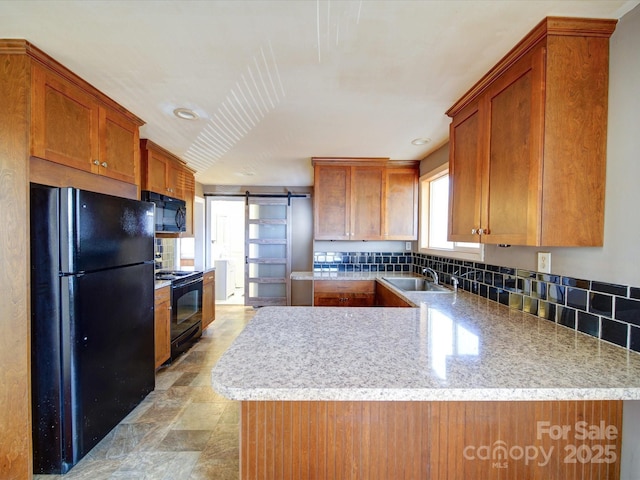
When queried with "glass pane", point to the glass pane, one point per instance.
{"points": [[267, 270], [267, 290], [439, 213], [267, 251], [262, 231], [262, 212]]}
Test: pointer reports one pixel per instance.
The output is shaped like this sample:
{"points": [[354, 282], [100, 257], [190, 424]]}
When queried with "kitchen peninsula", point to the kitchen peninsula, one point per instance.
{"points": [[460, 387]]}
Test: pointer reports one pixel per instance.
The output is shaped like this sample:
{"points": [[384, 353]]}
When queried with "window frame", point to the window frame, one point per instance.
{"points": [[458, 251]]}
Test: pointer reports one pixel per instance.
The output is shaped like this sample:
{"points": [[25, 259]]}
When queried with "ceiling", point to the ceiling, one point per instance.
{"points": [[275, 83]]}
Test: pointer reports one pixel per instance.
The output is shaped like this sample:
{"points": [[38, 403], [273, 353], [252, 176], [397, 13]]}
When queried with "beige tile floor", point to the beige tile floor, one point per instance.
{"points": [[183, 430]]}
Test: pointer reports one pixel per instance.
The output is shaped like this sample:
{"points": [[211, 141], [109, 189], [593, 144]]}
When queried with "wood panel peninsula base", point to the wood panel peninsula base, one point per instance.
{"points": [[430, 440], [457, 388]]}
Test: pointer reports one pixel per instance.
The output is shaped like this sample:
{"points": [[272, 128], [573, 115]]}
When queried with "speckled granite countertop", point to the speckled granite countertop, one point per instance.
{"points": [[453, 347], [162, 284]]}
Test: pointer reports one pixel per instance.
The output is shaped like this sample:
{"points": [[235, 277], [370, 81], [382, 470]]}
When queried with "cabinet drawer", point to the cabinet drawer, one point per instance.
{"points": [[344, 286], [334, 299]]}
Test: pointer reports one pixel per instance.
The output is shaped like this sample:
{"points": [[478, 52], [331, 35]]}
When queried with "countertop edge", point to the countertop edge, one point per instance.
{"points": [[427, 395]]}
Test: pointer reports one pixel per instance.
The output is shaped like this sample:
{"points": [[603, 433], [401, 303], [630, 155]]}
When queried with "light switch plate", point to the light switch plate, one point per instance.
{"points": [[544, 262]]}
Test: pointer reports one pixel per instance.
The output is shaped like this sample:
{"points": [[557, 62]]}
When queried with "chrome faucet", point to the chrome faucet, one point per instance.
{"points": [[433, 274]]}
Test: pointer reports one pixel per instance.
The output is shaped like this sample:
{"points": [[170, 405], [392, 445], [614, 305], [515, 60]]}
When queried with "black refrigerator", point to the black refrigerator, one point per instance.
{"points": [[92, 341]]}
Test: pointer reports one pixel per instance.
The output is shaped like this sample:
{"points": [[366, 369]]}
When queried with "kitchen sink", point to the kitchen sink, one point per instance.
{"points": [[416, 284]]}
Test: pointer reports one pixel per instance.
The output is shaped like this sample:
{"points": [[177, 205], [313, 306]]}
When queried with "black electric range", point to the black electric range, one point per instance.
{"points": [[186, 308]]}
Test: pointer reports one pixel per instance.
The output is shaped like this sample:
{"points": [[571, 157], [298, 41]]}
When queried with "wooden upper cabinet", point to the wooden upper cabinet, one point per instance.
{"points": [[367, 199], [120, 150], [164, 173], [465, 175], [331, 202], [64, 122], [364, 199], [401, 213], [71, 126], [528, 142]]}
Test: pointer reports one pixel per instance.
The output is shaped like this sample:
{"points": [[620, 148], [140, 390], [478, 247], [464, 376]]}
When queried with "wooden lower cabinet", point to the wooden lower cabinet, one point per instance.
{"points": [[385, 297], [344, 293], [568, 440], [162, 320], [208, 298]]}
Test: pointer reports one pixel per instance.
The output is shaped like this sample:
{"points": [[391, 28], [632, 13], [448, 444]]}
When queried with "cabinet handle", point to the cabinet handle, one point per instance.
{"points": [[104, 164], [96, 162], [481, 231]]}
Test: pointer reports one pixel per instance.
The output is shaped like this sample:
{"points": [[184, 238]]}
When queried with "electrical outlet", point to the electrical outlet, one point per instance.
{"points": [[544, 262], [407, 246]]}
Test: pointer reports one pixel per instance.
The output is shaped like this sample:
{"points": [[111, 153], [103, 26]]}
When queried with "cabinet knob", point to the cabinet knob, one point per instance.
{"points": [[474, 231], [104, 164], [96, 162]]}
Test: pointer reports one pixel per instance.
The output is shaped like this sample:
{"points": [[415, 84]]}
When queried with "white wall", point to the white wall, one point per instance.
{"points": [[618, 261]]}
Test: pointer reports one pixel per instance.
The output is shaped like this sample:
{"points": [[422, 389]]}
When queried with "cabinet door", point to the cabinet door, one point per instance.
{"points": [[120, 147], [208, 299], [511, 214], [331, 205], [155, 166], [162, 320], [401, 204], [64, 122], [465, 175], [367, 195], [175, 180]]}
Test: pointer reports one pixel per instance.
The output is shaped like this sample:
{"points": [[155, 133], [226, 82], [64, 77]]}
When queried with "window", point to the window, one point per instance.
{"points": [[434, 218]]}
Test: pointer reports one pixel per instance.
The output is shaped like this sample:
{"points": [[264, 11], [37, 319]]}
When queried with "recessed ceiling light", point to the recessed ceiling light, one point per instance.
{"points": [[185, 114], [420, 141]]}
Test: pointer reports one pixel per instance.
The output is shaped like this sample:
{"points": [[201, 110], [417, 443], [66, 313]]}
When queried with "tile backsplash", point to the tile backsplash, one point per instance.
{"points": [[165, 252], [608, 311]]}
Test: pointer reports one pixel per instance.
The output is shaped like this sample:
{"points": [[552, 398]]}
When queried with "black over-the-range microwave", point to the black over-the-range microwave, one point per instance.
{"points": [[171, 213]]}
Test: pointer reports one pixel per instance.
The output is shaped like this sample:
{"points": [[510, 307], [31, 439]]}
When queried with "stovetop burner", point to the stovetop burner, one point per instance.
{"points": [[174, 274]]}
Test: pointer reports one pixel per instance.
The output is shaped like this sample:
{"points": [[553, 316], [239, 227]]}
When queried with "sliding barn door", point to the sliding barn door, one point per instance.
{"points": [[267, 251]]}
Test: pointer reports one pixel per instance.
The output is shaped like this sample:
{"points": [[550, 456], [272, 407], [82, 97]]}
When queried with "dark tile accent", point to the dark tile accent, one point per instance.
{"points": [[589, 324], [503, 297], [574, 282], [493, 294], [601, 304], [513, 284], [508, 271], [628, 310], [615, 332], [484, 290], [566, 316], [547, 311], [634, 292], [634, 338], [577, 298], [556, 294], [539, 290], [498, 280], [486, 277], [609, 288]]}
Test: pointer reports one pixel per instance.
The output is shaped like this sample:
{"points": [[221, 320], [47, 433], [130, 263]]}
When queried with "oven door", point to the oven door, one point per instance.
{"points": [[186, 310]]}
